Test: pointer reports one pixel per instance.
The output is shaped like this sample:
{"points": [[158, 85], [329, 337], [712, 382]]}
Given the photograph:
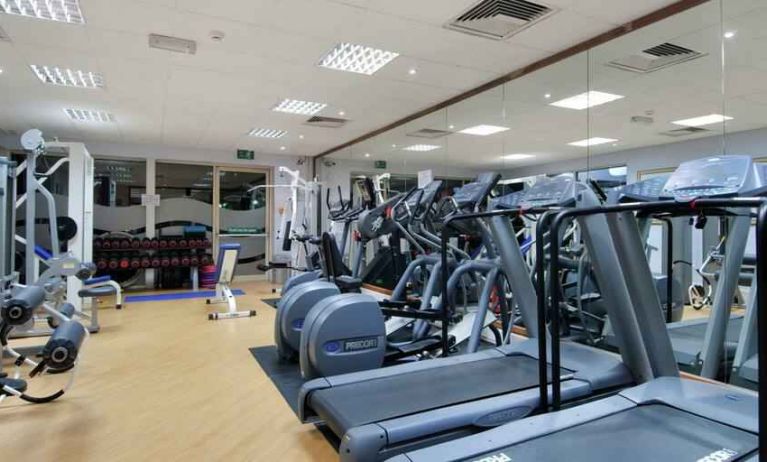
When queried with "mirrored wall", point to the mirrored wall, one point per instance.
{"points": [[688, 86]]}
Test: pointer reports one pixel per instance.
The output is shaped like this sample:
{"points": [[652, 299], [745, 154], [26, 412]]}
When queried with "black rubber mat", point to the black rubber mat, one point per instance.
{"points": [[646, 433], [271, 301], [285, 376], [698, 331], [360, 403]]}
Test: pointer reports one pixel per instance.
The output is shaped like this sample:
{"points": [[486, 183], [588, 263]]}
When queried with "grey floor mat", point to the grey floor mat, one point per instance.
{"points": [[271, 301]]}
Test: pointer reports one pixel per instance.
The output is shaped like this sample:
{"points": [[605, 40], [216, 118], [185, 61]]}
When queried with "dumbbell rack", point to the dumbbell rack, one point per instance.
{"points": [[157, 254]]}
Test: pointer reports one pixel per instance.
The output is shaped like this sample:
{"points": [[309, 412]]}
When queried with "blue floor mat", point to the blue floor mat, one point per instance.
{"points": [[176, 296]]}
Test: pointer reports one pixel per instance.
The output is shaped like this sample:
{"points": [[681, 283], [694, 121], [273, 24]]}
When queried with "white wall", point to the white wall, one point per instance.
{"points": [[752, 142]]}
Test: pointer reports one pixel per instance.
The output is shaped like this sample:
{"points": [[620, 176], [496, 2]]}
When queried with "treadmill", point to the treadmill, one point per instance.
{"points": [[665, 418], [383, 412]]}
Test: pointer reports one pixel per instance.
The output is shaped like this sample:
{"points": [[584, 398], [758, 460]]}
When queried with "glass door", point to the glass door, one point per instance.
{"points": [[243, 215]]}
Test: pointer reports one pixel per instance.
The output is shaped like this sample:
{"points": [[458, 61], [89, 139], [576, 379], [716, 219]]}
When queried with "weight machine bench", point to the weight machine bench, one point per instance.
{"points": [[228, 255]]}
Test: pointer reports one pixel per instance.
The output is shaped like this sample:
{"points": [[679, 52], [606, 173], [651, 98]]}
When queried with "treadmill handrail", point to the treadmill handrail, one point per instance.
{"points": [[761, 316], [687, 207]]}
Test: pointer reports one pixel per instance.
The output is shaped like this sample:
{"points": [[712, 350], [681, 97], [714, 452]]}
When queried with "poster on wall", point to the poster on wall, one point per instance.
{"points": [[424, 178]]}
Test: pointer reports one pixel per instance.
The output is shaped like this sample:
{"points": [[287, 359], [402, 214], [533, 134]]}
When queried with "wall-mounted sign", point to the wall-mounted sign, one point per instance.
{"points": [[244, 154], [380, 164]]}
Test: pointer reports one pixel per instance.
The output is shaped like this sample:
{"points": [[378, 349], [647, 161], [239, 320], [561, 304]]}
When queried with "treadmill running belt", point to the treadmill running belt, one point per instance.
{"points": [[696, 332], [646, 433], [360, 403]]}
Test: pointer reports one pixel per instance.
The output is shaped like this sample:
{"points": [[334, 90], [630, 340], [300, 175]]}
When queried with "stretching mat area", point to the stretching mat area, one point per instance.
{"points": [[176, 296]]}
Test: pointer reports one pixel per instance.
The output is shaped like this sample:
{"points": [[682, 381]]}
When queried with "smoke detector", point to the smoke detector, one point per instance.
{"points": [[217, 35]]}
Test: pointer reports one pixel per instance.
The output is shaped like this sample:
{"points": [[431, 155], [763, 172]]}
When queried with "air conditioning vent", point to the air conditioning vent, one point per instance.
{"points": [[684, 132], [326, 122], [500, 19], [655, 58], [175, 44], [430, 133]]}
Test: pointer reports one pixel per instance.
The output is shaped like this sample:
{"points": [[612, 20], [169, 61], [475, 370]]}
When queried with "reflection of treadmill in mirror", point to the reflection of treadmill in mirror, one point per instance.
{"points": [[666, 418], [228, 255], [703, 344], [379, 413]]}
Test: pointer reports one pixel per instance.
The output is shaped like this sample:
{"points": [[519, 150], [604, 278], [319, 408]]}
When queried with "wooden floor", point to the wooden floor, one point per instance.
{"points": [[162, 383]]}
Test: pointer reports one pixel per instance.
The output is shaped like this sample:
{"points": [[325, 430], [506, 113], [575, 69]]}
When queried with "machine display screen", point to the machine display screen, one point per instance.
{"points": [[712, 176], [549, 191]]}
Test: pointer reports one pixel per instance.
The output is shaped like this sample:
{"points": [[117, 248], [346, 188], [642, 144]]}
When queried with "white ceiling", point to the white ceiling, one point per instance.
{"points": [[212, 99], [682, 91]]}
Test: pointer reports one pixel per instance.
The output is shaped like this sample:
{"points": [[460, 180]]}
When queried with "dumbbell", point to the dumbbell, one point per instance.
{"points": [[155, 262], [135, 244], [172, 244], [174, 260], [97, 244], [205, 260], [183, 243], [124, 263], [185, 261], [106, 244], [154, 243], [135, 263], [113, 263], [206, 244], [145, 261], [125, 243], [194, 260], [162, 244], [165, 261], [102, 263], [194, 243], [146, 243]]}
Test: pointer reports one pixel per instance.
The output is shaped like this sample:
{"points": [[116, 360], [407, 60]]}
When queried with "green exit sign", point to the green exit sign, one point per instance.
{"points": [[244, 154], [380, 164]]}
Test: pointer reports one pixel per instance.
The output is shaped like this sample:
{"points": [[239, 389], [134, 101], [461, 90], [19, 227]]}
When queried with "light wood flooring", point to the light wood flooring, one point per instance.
{"points": [[162, 383]]}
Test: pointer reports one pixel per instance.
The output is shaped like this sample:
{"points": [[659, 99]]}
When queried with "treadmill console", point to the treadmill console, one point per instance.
{"points": [[469, 195], [426, 198], [642, 191], [507, 202], [712, 177], [548, 192]]}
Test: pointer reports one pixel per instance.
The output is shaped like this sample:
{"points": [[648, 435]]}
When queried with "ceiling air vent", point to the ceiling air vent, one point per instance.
{"points": [[430, 133], [686, 131], [500, 19], [326, 122], [657, 57], [175, 44]]}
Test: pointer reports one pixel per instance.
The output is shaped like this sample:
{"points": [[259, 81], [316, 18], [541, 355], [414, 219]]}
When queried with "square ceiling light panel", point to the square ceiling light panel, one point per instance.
{"points": [[88, 115], [595, 141], [483, 130], [295, 106], [586, 100], [518, 156], [702, 120], [68, 77], [53, 10], [421, 147], [267, 133], [357, 58]]}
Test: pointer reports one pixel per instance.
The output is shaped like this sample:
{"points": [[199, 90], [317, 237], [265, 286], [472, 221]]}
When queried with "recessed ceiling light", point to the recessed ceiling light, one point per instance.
{"points": [[592, 142], [421, 147], [341, 113], [483, 130], [547, 95], [451, 127], [267, 133], [586, 100], [282, 148], [87, 115], [295, 106], [53, 10], [394, 145], [67, 77], [518, 156], [702, 120], [300, 137], [357, 58], [367, 154], [729, 34], [412, 71]]}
